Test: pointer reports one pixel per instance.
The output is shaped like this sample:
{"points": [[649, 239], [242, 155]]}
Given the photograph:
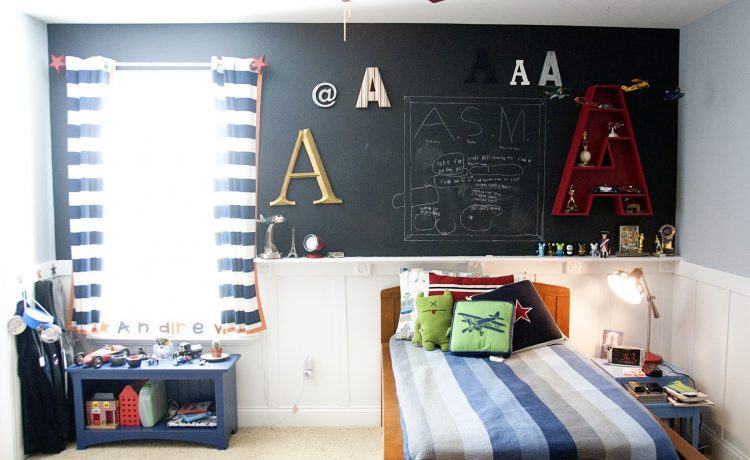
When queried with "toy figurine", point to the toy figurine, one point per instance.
{"points": [[640, 243], [581, 249], [614, 126], [569, 249], [571, 205], [540, 249], [604, 245], [594, 250], [560, 248], [658, 249], [585, 155], [551, 249]]}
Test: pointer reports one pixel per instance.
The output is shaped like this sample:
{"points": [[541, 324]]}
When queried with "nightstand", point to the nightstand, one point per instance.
{"points": [[664, 411]]}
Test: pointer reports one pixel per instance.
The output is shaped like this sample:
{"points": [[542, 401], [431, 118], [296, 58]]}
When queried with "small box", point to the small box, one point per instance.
{"points": [[102, 412]]}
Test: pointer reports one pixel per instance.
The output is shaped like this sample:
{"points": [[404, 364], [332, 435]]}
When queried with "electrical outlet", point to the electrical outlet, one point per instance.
{"points": [[307, 371]]}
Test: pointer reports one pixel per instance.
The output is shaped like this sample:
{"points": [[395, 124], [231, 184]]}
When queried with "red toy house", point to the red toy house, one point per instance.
{"points": [[101, 412], [128, 399]]}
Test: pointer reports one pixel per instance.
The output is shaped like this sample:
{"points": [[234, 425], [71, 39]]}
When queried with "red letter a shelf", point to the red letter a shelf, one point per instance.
{"points": [[611, 168]]}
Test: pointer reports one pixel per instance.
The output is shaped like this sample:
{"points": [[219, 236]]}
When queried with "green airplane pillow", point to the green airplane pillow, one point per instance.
{"points": [[433, 321], [482, 328]]}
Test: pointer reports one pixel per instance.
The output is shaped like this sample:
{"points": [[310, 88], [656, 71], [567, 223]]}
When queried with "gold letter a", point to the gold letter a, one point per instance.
{"points": [[318, 172]]}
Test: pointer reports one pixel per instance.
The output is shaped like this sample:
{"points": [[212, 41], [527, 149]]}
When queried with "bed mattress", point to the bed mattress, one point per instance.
{"points": [[549, 402]]}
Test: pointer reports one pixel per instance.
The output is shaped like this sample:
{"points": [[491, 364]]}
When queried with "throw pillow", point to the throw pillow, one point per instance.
{"points": [[533, 325], [434, 314], [462, 287], [482, 328], [412, 281]]}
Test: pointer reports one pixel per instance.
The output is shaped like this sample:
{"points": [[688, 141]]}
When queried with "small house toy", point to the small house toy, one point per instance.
{"points": [[128, 401], [102, 412]]}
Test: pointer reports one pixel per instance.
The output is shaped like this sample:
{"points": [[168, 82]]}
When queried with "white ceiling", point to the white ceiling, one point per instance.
{"points": [[616, 13]]}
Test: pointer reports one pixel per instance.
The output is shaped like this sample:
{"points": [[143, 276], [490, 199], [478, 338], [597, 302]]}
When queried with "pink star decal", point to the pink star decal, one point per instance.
{"points": [[522, 312], [58, 62], [258, 63]]}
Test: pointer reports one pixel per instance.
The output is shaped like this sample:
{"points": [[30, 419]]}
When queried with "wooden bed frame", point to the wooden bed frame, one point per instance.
{"points": [[557, 300]]}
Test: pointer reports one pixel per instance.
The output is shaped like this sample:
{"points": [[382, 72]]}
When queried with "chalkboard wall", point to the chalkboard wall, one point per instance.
{"points": [[363, 150]]}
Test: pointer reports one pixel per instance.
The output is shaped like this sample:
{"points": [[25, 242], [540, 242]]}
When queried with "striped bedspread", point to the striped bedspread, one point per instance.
{"points": [[543, 403]]}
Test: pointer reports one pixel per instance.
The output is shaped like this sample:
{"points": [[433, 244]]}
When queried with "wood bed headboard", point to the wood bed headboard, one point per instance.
{"points": [[556, 298]]}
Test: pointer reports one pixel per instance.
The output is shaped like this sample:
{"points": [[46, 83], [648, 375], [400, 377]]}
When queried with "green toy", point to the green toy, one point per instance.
{"points": [[434, 314]]}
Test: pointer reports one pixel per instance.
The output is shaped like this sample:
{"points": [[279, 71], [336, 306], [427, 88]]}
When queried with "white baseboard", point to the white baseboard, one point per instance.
{"points": [[364, 416], [719, 449]]}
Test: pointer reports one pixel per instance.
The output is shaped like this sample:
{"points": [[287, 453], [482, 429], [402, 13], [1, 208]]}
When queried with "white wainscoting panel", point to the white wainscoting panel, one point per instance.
{"points": [[736, 427]]}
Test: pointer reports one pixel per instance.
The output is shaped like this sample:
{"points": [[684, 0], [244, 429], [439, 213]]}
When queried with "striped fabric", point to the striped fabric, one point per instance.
{"points": [[88, 84], [237, 96], [547, 403]]}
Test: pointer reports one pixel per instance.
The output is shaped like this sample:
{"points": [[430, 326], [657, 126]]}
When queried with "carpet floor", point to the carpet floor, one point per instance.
{"points": [[248, 443]]}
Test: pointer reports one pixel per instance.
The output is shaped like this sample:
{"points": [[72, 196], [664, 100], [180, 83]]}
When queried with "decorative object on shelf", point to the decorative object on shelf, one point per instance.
{"points": [[335, 254], [314, 245], [134, 360], [613, 126], [673, 95], [556, 92], [633, 289], [632, 207], [193, 350], [604, 245], [610, 337], [594, 249], [568, 249], [551, 249], [163, 348], [128, 405], [58, 62], [667, 233], [483, 65], [604, 189], [270, 251], [324, 94], [580, 100], [258, 63], [628, 240], [216, 349], [658, 250], [629, 189], [372, 90], [627, 168], [318, 173], [100, 356], [636, 84], [571, 205], [540, 249], [102, 412], [585, 155], [117, 361], [641, 237], [293, 249], [581, 249], [560, 249]]}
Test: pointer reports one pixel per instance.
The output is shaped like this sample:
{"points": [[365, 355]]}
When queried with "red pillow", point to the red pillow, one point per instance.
{"points": [[462, 287]]}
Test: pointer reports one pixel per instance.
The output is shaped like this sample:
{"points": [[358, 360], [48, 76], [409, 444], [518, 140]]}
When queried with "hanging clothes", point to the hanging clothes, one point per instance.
{"points": [[45, 419]]}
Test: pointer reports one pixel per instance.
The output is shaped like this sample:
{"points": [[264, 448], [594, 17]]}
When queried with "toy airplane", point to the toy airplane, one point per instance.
{"points": [[479, 324], [556, 92], [636, 84], [673, 94], [580, 100]]}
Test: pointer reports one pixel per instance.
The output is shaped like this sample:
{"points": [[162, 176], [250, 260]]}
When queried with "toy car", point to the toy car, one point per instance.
{"points": [[103, 355], [188, 350], [635, 85]]}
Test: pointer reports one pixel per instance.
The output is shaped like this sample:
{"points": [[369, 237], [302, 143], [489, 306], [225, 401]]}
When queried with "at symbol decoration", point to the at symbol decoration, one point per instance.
{"points": [[324, 94]]}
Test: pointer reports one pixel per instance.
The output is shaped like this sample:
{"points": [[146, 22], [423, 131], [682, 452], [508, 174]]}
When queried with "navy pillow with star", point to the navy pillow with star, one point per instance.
{"points": [[534, 326]]}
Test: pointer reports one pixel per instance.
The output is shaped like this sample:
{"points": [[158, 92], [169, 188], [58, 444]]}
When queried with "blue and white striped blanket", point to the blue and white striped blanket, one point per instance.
{"points": [[543, 403]]}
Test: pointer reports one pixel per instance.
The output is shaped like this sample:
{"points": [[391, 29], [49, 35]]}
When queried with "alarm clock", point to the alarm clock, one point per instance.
{"points": [[314, 245], [625, 356]]}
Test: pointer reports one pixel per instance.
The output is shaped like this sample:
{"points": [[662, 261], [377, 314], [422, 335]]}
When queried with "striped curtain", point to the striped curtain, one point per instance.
{"points": [[238, 91], [88, 84]]}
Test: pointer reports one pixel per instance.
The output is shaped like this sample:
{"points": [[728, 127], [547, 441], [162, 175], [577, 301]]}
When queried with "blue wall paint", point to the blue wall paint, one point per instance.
{"points": [[713, 220]]}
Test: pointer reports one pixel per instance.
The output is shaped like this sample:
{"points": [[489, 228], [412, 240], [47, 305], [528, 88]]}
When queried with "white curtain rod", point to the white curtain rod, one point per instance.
{"points": [[163, 64]]}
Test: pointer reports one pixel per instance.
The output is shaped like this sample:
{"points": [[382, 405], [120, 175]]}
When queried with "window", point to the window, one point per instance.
{"points": [[160, 139]]}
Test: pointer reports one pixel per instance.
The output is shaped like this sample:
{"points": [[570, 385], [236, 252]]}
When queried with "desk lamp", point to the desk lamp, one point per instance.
{"points": [[633, 289]]}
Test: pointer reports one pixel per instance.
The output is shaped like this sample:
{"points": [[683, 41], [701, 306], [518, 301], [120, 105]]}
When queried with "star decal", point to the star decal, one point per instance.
{"points": [[58, 62], [53, 269], [522, 312], [39, 274], [258, 63], [103, 327]]}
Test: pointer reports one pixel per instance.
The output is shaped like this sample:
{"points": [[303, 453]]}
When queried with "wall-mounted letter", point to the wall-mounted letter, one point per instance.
{"points": [[482, 64], [519, 71], [550, 70], [372, 90], [319, 173]]}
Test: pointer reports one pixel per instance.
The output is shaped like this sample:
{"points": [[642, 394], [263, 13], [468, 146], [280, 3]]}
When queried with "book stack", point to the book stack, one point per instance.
{"points": [[193, 415], [682, 395], [647, 392]]}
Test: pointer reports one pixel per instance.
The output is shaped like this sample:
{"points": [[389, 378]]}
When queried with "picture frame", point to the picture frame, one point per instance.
{"points": [[629, 240], [610, 337]]}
